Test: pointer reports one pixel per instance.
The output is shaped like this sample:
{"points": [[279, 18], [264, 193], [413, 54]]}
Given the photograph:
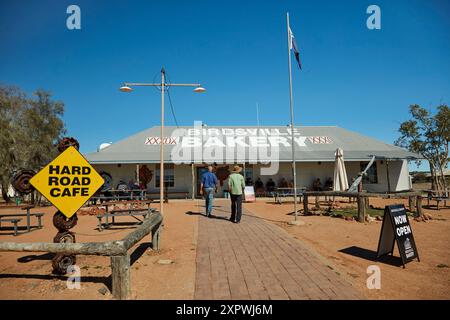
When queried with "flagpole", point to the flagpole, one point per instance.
{"points": [[291, 102]]}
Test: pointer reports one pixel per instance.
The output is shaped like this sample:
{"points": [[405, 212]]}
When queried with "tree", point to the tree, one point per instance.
{"points": [[428, 135], [29, 131], [43, 128], [12, 104]]}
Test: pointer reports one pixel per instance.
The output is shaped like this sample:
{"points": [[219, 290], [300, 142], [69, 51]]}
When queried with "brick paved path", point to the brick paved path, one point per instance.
{"points": [[259, 260]]}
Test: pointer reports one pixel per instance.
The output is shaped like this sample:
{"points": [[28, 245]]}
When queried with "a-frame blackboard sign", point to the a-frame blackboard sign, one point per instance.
{"points": [[396, 227]]}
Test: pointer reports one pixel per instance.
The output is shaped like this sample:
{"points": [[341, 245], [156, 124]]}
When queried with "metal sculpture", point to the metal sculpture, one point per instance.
{"points": [[67, 142], [60, 261], [21, 181]]}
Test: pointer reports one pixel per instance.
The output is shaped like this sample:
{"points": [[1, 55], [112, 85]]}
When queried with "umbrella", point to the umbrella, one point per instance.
{"points": [[340, 182]]}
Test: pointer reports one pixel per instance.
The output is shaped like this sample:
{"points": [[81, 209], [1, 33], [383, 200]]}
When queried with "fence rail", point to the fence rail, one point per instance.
{"points": [[117, 250], [414, 197]]}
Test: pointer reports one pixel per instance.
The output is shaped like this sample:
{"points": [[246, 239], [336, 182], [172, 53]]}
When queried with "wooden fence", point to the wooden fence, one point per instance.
{"points": [[362, 200], [117, 250]]}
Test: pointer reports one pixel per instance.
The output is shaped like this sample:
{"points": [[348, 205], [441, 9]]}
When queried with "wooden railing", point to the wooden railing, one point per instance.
{"points": [[117, 250], [415, 199]]}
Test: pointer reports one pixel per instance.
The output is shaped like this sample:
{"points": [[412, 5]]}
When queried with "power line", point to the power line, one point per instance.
{"points": [[170, 101], [171, 108]]}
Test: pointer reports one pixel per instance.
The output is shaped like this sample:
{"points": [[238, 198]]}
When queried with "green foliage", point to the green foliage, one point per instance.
{"points": [[428, 135], [29, 130]]}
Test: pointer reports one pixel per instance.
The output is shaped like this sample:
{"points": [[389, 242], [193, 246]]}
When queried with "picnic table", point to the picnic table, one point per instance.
{"points": [[154, 194], [288, 192], [438, 196], [15, 218], [119, 194], [130, 212]]}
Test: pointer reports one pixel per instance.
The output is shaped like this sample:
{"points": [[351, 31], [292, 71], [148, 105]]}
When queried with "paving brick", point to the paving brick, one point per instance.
{"points": [[258, 260]]}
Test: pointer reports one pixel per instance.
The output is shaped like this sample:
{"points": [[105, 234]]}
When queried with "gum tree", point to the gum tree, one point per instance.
{"points": [[29, 131], [428, 135], [12, 104]]}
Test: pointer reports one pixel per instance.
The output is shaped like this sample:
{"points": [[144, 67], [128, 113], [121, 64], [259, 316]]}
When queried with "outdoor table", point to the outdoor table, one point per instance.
{"points": [[438, 196], [129, 193], [284, 192], [138, 194], [131, 202], [27, 215], [123, 212]]}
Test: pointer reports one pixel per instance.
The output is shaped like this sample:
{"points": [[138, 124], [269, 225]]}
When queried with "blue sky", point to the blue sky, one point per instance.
{"points": [[359, 79]]}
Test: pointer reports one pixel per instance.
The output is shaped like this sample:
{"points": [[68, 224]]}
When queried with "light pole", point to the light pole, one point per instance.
{"points": [[127, 87]]}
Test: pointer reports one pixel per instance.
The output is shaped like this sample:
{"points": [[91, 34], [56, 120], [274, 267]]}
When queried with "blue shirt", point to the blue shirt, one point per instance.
{"points": [[209, 180]]}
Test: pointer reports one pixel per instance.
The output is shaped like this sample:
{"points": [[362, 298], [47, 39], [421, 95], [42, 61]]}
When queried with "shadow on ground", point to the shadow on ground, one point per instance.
{"points": [[33, 257], [103, 280], [372, 256], [193, 213]]}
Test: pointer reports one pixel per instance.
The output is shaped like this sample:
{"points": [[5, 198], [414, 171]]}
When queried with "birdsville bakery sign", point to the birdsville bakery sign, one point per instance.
{"points": [[237, 137]]}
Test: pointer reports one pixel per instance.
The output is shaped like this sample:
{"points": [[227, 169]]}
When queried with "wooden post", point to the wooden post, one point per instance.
{"points": [[419, 212], [156, 238], [388, 178], [316, 203], [166, 193], [305, 204], [411, 203], [193, 181], [120, 267], [361, 208], [137, 175]]}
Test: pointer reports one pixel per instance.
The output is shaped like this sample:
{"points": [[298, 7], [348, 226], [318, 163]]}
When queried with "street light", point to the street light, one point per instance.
{"points": [[127, 87], [199, 90]]}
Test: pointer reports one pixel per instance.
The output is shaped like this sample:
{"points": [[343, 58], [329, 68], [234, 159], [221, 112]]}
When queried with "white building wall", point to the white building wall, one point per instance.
{"points": [[398, 176], [307, 172]]}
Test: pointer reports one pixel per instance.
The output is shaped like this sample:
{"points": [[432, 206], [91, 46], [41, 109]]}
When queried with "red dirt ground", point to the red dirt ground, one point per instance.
{"points": [[28, 275], [150, 280], [427, 279]]}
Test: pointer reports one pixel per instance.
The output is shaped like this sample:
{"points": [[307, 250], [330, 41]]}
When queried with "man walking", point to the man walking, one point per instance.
{"points": [[236, 185], [208, 186]]}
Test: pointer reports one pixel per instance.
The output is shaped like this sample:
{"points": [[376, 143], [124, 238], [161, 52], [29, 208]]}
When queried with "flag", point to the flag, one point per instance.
{"points": [[293, 46]]}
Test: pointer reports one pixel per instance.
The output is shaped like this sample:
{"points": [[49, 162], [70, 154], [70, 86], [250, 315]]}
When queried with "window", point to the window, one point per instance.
{"points": [[371, 176], [169, 175]]}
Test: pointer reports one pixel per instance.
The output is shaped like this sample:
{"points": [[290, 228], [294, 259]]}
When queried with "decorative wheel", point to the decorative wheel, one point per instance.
{"points": [[62, 223], [64, 237], [21, 181], [67, 142], [108, 181], [61, 262]]}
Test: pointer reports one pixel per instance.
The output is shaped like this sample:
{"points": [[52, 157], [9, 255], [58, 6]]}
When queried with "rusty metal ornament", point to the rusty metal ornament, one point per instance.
{"points": [[21, 181], [67, 142], [62, 223], [61, 263], [64, 237], [108, 181], [222, 174], [145, 175]]}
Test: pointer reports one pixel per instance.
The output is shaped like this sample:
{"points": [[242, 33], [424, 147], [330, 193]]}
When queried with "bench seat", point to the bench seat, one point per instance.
{"points": [[12, 220]]}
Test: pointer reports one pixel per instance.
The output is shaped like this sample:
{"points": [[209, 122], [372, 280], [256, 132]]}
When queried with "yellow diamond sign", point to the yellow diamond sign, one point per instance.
{"points": [[68, 181]]}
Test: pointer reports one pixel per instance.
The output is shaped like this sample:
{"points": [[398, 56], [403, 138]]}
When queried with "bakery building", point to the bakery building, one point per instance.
{"points": [[263, 152]]}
